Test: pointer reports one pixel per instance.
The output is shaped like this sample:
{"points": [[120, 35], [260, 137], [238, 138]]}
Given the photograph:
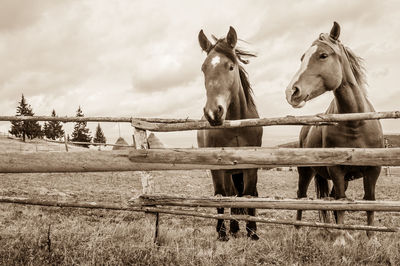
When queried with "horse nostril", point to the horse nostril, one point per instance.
{"points": [[220, 109], [295, 91]]}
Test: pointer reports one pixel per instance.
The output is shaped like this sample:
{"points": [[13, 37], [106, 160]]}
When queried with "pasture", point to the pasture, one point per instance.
{"points": [[50, 235]]}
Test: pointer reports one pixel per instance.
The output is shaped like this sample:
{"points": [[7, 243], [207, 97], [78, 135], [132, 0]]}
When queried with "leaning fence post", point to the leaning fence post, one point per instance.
{"points": [[140, 142]]}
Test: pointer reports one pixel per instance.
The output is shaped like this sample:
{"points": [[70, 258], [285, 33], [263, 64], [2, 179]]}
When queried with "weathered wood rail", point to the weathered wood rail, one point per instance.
{"points": [[267, 203], [188, 159], [168, 125], [88, 143], [156, 210]]}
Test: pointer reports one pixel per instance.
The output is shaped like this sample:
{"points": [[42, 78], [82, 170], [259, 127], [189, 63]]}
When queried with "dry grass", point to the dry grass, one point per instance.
{"points": [[12, 144], [111, 237], [38, 235]]}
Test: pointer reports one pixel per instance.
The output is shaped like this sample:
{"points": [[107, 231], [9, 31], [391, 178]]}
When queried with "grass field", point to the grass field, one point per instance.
{"points": [[41, 235]]}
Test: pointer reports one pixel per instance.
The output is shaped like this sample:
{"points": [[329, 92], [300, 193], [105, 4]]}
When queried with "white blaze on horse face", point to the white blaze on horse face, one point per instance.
{"points": [[303, 67], [215, 61]]}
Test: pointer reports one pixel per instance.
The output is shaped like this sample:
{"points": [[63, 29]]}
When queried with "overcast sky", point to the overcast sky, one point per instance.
{"points": [[142, 58]]}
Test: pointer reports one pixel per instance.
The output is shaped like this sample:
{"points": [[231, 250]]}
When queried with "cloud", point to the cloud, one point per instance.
{"points": [[142, 58], [19, 14], [163, 68]]}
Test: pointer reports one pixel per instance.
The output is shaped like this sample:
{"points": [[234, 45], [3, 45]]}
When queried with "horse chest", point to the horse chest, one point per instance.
{"points": [[234, 138]]}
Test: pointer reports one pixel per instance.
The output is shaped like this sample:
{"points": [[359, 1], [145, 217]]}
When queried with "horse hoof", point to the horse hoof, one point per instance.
{"points": [[234, 234], [374, 243], [253, 236], [346, 199], [342, 239], [223, 238], [340, 242]]}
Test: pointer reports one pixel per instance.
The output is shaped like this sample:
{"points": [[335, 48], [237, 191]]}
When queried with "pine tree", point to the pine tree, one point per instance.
{"points": [[30, 129], [53, 129], [81, 132], [99, 135]]}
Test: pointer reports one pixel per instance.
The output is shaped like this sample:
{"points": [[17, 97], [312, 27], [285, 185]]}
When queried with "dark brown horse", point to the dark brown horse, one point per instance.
{"points": [[229, 96], [329, 66]]}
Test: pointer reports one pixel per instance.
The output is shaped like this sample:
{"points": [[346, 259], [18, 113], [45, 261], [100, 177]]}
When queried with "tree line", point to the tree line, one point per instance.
{"points": [[52, 129]]}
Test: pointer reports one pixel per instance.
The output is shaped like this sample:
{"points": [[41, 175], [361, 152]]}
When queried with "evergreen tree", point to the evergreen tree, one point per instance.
{"points": [[99, 135], [30, 129], [53, 129], [81, 132]]}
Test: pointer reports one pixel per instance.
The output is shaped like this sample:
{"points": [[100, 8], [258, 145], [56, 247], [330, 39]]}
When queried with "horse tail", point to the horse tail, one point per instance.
{"points": [[321, 186], [238, 184]]}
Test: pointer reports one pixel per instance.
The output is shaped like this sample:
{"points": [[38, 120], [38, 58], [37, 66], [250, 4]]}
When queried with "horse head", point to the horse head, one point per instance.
{"points": [[221, 74], [324, 67]]}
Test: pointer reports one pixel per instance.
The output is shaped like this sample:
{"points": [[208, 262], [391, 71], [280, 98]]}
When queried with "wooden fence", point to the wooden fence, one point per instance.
{"points": [[142, 159], [188, 159]]}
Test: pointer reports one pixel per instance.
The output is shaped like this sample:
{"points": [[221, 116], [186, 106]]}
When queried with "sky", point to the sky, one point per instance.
{"points": [[142, 58]]}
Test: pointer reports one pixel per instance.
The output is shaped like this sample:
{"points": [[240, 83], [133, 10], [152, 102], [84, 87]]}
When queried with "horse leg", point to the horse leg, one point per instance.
{"points": [[234, 224], [339, 186], [221, 229], [305, 176], [250, 190], [370, 177], [237, 189], [332, 195], [337, 173], [322, 190], [218, 182]]}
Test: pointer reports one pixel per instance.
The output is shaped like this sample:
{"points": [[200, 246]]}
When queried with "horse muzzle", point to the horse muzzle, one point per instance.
{"points": [[295, 97], [214, 116]]}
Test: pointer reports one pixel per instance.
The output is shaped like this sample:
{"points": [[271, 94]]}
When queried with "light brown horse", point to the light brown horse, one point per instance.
{"points": [[329, 66], [229, 96]]}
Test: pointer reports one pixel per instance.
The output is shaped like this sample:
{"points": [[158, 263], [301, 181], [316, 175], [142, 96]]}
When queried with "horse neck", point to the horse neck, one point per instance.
{"points": [[350, 98], [238, 108]]}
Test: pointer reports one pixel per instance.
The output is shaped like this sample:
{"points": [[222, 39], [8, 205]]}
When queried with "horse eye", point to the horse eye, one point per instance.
{"points": [[231, 68], [323, 55]]}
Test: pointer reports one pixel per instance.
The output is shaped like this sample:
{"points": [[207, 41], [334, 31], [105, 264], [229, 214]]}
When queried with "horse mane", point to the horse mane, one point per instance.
{"points": [[357, 67], [238, 57], [355, 62]]}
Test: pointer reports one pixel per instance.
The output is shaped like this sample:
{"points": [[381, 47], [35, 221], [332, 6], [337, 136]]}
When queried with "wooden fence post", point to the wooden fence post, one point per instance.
{"points": [[65, 142], [140, 142]]}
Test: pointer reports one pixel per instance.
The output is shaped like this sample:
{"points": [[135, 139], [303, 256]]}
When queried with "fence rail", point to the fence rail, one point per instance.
{"points": [[188, 159], [168, 125], [88, 143], [122, 207], [266, 203]]}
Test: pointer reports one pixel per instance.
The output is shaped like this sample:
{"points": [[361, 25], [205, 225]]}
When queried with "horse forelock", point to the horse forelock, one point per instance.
{"points": [[355, 62], [238, 56]]}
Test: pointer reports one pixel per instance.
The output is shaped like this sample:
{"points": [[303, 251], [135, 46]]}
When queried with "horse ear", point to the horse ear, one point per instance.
{"points": [[205, 44], [335, 31], [231, 37]]}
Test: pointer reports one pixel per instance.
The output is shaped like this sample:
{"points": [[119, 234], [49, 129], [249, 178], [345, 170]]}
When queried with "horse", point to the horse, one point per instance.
{"points": [[330, 66], [229, 97]]}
